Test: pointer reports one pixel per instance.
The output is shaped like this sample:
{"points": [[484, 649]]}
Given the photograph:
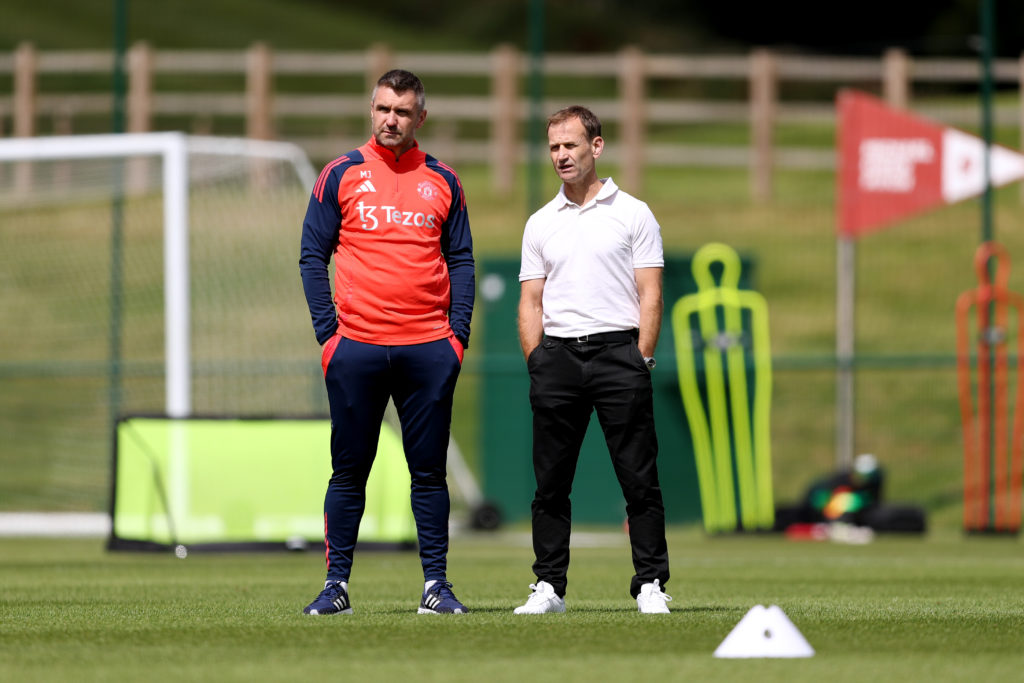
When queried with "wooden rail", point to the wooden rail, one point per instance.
{"points": [[272, 94]]}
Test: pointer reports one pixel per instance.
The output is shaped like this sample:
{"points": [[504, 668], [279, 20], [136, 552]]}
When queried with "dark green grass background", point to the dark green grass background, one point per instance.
{"points": [[940, 608]]}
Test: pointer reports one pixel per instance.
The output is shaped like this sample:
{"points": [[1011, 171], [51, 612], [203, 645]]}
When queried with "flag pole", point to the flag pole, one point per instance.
{"points": [[846, 258], [987, 48], [846, 251]]}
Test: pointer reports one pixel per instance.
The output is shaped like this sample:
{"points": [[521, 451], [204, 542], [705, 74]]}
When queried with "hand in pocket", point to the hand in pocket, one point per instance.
{"points": [[457, 345], [328, 351]]}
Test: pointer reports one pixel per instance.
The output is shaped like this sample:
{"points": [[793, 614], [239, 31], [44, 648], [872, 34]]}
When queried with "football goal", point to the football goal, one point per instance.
{"points": [[143, 274]]}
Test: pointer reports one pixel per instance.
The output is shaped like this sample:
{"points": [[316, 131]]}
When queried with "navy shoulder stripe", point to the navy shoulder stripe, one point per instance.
{"points": [[346, 160], [444, 169]]}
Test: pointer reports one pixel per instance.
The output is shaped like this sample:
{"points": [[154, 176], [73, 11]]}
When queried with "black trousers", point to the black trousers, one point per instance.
{"points": [[569, 380]]}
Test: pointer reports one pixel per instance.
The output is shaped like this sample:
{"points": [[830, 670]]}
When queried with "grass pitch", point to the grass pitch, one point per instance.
{"points": [[939, 608]]}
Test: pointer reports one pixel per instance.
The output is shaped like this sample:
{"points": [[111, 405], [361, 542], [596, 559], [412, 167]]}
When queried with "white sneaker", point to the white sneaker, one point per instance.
{"points": [[542, 600], [652, 600]]}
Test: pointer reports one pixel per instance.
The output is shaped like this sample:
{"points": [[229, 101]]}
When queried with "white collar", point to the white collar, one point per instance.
{"points": [[608, 188]]}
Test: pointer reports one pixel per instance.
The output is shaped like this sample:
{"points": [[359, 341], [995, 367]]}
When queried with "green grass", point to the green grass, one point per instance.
{"points": [[941, 608]]}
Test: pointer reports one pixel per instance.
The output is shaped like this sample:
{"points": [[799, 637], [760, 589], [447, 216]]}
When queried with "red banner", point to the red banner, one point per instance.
{"points": [[894, 164]]}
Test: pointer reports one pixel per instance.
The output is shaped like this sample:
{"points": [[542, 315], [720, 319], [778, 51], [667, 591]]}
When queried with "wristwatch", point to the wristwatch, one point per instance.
{"points": [[650, 362]]}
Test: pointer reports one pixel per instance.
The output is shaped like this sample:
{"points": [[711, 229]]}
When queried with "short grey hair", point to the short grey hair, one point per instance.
{"points": [[402, 81]]}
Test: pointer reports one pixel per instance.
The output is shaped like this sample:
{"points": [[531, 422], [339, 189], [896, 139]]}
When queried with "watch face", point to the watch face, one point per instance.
{"points": [[650, 362]]}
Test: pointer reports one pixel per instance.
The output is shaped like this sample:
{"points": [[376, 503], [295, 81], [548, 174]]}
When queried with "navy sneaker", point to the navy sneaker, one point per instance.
{"points": [[439, 599], [333, 599]]}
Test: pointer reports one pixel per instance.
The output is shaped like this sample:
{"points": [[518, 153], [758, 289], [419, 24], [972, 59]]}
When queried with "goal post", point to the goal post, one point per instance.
{"points": [[144, 274], [173, 149]]}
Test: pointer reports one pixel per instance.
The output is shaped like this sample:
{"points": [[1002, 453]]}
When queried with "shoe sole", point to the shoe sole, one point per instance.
{"points": [[424, 610], [326, 614], [642, 611], [556, 610]]}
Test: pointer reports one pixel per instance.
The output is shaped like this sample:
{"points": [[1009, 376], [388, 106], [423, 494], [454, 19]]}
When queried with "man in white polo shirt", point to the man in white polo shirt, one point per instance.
{"points": [[590, 313]]}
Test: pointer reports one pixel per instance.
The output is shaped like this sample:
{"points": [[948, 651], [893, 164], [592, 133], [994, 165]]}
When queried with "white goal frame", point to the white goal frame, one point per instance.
{"points": [[173, 148]]}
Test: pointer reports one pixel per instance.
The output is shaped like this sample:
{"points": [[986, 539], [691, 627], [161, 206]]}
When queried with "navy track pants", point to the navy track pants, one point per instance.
{"points": [[360, 379]]}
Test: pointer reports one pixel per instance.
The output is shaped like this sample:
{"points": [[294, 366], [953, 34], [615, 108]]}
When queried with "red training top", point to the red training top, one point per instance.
{"points": [[399, 234]]}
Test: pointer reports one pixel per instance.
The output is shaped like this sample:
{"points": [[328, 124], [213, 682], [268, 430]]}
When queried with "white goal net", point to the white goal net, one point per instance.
{"points": [[143, 274]]}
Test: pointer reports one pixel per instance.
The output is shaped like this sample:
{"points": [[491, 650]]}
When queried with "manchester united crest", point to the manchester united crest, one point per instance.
{"points": [[427, 190]]}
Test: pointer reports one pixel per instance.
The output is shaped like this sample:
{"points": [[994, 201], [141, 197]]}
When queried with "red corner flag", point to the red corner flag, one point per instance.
{"points": [[893, 164]]}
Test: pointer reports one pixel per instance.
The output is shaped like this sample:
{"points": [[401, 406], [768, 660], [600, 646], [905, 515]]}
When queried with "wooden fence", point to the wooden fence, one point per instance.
{"points": [[494, 99]]}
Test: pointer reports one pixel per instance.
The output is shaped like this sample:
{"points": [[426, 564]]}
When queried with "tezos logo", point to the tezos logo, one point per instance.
{"points": [[393, 216]]}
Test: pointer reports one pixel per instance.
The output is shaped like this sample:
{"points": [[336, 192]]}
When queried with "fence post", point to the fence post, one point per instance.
{"points": [[763, 94], [896, 78], [24, 118], [140, 88], [632, 91], [24, 91], [378, 62], [140, 111], [504, 117], [258, 92]]}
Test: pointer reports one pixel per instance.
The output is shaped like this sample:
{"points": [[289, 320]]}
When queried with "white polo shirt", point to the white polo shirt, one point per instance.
{"points": [[587, 255]]}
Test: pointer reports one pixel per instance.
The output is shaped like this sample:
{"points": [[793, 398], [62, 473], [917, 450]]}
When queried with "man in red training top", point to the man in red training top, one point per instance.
{"points": [[395, 221]]}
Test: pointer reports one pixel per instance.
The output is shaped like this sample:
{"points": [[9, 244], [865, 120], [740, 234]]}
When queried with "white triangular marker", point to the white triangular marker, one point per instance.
{"points": [[963, 165], [764, 632]]}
